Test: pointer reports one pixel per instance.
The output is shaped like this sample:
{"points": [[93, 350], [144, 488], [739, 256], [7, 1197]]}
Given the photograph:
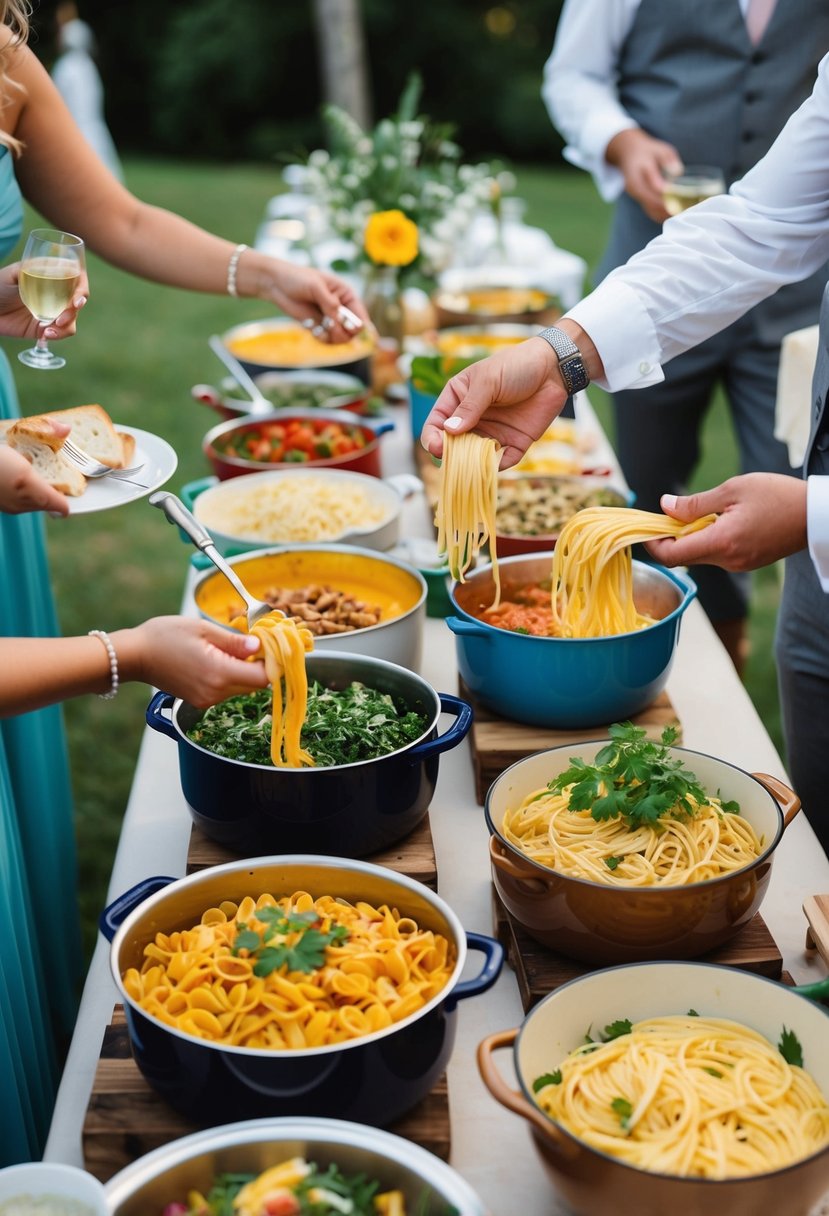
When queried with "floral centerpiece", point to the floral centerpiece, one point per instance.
{"points": [[400, 193]]}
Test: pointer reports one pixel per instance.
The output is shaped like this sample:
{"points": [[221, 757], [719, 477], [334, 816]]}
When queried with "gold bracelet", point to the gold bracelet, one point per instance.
{"points": [[113, 663], [232, 267]]}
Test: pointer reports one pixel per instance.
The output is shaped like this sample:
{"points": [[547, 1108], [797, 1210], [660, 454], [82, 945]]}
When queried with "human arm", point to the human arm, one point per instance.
{"points": [[22, 489], [196, 660], [63, 179], [582, 100]]}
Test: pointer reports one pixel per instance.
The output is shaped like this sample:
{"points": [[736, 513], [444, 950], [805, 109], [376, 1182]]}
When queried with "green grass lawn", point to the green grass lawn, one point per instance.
{"points": [[139, 350]]}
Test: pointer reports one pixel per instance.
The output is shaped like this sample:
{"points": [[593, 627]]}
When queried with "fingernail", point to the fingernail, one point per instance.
{"points": [[452, 424], [51, 332], [251, 642], [79, 302], [668, 502]]}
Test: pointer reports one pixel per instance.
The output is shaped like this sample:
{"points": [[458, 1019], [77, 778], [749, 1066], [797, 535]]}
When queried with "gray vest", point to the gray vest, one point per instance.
{"points": [[689, 74], [817, 453]]}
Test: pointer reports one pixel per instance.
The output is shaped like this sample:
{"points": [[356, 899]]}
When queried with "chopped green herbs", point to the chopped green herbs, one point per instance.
{"points": [[293, 940], [790, 1048], [633, 778], [714, 1072], [341, 727], [616, 1029], [624, 1109], [547, 1078], [613, 862]]}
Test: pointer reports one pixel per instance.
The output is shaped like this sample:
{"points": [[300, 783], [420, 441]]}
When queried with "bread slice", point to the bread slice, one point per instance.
{"points": [[49, 462], [128, 448], [93, 432]]}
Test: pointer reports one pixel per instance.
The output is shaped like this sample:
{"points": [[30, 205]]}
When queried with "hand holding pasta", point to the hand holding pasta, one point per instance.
{"points": [[465, 513]]}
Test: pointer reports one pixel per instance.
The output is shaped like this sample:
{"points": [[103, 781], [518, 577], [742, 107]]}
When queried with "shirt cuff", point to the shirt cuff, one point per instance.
{"points": [[597, 133], [817, 526], [623, 334]]}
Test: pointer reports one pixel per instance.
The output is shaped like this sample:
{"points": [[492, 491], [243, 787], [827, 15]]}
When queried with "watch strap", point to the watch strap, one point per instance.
{"points": [[570, 359]]}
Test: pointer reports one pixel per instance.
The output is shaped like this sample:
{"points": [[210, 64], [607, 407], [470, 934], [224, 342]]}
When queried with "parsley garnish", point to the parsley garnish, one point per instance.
{"points": [[692, 1013], [289, 939], [613, 862], [623, 1109], [616, 1029], [633, 778], [714, 1072], [790, 1048], [547, 1078]]}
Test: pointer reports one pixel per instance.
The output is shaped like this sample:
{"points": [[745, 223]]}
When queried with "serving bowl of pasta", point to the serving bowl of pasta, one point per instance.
{"points": [[673, 1087], [296, 984], [270, 1156], [297, 506], [372, 728], [562, 682], [644, 878], [352, 599]]}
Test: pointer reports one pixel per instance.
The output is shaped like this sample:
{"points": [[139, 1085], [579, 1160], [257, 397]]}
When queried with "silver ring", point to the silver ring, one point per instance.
{"points": [[327, 323], [308, 323], [320, 333]]}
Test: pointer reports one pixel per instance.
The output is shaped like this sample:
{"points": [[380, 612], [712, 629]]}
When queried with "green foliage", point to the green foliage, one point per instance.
{"points": [[790, 1048], [291, 940]]}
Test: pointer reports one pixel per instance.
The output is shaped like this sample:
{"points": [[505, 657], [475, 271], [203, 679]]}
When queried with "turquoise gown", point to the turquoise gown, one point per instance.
{"points": [[40, 951]]}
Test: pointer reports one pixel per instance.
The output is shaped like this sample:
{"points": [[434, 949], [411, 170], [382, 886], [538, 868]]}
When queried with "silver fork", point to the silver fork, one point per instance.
{"points": [[92, 468]]}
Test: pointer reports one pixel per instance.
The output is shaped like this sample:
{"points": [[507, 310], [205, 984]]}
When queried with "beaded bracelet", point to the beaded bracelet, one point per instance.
{"points": [[232, 267], [113, 663]]}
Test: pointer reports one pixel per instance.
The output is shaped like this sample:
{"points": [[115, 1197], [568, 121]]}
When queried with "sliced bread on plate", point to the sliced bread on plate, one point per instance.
{"points": [[38, 444]]}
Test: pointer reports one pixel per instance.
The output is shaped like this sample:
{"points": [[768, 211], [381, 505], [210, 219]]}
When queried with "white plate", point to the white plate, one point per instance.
{"points": [[158, 462]]}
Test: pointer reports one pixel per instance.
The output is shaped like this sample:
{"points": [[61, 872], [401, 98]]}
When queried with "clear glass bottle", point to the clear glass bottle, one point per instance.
{"points": [[383, 299]]}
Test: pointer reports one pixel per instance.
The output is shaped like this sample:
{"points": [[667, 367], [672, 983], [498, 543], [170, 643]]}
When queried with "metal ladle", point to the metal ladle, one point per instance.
{"points": [[258, 401], [178, 514]]}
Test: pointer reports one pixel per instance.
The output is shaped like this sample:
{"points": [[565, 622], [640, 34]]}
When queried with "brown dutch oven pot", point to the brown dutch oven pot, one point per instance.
{"points": [[603, 924]]}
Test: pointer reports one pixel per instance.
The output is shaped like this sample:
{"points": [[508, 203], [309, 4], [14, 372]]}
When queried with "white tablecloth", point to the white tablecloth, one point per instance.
{"points": [[490, 1147]]}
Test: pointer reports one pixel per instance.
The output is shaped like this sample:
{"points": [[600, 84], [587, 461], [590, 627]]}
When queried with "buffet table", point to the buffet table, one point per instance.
{"points": [[490, 1147]]}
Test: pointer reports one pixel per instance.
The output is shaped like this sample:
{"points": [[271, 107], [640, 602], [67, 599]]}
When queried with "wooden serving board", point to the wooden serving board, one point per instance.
{"points": [[413, 856], [496, 743], [539, 970], [126, 1118]]}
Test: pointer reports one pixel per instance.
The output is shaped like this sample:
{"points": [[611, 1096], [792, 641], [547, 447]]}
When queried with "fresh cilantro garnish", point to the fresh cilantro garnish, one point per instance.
{"points": [[728, 808], [289, 939], [519, 629], [616, 1029], [633, 778], [547, 1078], [692, 1013], [790, 1048], [623, 1109], [714, 1072], [613, 862]]}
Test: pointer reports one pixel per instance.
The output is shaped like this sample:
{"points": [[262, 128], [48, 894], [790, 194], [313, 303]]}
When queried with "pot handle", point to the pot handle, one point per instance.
{"points": [[486, 977], [406, 484], [456, 733], [507, 863], [190, 492], [207, 395], [513, 1099], [114, 914], [155, 718], [467, 628], [818, 991], [785, 797], [380, 426]]}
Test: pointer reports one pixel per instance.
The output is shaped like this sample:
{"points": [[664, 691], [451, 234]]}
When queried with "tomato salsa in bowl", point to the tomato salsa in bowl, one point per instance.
{"points": [[312, 438]]}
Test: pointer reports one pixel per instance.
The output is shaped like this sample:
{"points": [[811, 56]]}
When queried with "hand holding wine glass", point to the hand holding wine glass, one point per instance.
{"points": [[51, 269]]}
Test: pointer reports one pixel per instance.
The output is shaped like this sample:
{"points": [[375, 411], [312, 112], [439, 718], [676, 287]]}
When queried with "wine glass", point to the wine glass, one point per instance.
{"points": [[50, 271], [693, 184]]}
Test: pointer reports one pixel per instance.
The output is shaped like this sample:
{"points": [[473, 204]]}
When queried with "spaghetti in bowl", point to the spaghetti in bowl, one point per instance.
{"points": [[597, 1180], [373, 1077], [593, 912]]}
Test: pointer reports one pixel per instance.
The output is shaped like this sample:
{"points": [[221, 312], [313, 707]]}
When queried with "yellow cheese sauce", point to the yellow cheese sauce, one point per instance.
{"points": [[393, 590], [293, 346]]}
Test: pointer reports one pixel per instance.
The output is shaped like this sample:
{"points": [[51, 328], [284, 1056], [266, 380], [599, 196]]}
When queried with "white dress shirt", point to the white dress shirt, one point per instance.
{"points": [[716, 260], [579, 88]]}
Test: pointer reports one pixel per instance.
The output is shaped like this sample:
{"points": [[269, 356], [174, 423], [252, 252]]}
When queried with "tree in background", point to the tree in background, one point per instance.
{"points": [[339, 30]]}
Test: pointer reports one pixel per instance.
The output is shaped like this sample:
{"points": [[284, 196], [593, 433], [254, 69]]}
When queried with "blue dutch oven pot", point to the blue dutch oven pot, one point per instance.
{"points": [[374, 1079], [350, 810]]}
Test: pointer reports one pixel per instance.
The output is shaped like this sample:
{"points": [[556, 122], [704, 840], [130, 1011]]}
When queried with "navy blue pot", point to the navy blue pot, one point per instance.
{"points": [[566, 682], [374, 1079], [350, 810]]}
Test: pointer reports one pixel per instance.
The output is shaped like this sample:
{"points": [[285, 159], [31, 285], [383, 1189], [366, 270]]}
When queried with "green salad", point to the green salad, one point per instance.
{"points": [[341, 726]]}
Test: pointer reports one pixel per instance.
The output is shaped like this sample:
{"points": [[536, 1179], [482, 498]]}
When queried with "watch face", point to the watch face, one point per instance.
{"points": [[574, 373]]}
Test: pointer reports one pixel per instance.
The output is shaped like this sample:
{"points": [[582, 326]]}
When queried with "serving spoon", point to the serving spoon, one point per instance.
{"points": [[258, 401], [178, 514]]}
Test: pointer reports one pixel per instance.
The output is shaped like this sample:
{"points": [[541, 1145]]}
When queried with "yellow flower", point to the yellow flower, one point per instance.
{"points": [[391, 238]]}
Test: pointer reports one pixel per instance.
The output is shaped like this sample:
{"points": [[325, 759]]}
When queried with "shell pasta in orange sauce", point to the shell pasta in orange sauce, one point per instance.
{"points": [[380, 968]]}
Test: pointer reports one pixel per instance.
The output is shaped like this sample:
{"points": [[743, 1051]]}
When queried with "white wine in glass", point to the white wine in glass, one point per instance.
{"points": [[50, 271], [693, 185]]}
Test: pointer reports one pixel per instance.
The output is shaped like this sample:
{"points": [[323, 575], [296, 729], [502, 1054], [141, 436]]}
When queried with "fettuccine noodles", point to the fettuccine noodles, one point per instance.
{"points": [[468, 495], [673, 852], [691, 1096], [592, 578], [284, 644], [385, 969]]}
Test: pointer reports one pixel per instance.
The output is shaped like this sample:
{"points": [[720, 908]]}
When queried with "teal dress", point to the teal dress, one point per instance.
{"points": [[40, 952]]}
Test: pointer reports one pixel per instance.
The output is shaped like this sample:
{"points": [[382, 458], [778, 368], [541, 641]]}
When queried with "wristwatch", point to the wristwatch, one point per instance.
{"points": [[573, 372]]}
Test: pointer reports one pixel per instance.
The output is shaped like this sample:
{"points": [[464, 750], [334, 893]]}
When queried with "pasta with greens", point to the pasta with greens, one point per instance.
{"points": [[293, 972], [691, 1096]]}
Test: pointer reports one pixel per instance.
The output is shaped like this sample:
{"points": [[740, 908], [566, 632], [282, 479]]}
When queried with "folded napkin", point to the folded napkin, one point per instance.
{"points": [[793, 410]]}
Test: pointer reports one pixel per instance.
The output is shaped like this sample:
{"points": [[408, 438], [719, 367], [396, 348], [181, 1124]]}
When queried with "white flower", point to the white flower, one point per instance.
{"points": [[363, 146], [388, 162], [319, 157], [351, 181]]}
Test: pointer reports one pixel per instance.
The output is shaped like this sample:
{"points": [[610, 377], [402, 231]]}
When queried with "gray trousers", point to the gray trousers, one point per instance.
{"points": [[659, 433], [802, 653]]}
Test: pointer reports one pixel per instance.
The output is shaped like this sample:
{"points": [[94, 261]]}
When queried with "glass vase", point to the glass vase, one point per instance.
{"points": [[384, 301]]}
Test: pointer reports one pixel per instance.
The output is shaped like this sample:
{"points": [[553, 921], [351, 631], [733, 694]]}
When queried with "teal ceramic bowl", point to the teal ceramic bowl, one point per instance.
{"points": [[566, 682]]}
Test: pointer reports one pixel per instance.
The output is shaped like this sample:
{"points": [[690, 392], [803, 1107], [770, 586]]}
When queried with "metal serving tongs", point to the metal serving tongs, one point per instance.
{"points": [[178, 514], [259, 403]]}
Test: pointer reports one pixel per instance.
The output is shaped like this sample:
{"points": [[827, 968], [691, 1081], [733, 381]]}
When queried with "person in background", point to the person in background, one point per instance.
{"points": [[79, 83], [45, 158], [638, 88], [707, 268]]}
